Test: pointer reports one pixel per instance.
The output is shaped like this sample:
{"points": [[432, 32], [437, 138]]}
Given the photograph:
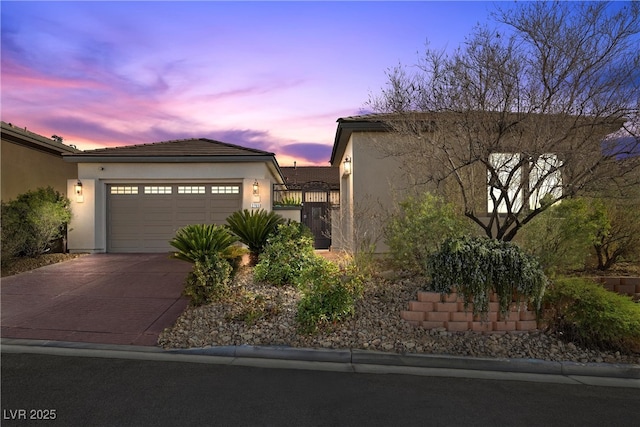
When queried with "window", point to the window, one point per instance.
{"points": [[191, 189], [157, 190], [225, 189], [124, 189], [539, 176]]}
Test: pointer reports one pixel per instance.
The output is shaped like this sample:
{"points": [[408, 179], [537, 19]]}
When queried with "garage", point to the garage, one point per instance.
{"points": [[144, 217], [134, 198]]}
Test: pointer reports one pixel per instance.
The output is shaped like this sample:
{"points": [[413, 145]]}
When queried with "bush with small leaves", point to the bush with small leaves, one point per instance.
{"points": [[584, 312], [209, 280], [418, 227], [328, 294], [286, 254]]}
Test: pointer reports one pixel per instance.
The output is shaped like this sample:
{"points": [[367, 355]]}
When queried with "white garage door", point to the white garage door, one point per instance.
{"points": [[143, 218]]}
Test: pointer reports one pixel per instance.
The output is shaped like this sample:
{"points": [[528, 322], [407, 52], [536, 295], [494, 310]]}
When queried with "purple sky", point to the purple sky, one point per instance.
{"points": [[268, 75]]}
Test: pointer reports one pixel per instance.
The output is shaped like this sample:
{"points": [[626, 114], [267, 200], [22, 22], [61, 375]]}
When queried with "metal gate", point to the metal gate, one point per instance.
{"points": [[316, 212]]}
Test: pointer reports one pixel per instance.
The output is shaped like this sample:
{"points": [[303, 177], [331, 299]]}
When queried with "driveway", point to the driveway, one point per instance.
{"points": [[99, 298]]}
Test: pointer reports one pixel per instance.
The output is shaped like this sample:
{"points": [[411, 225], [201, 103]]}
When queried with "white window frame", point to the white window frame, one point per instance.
{"points": [[123, 190], [192, 189], [225, 189], [158, 189]]}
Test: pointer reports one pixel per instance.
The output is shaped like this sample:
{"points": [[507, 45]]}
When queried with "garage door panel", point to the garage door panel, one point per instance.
{"points": [[146, 222]]}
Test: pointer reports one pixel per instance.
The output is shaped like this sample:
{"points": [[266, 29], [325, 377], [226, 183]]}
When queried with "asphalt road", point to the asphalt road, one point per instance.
{"points": [[83, 391]]}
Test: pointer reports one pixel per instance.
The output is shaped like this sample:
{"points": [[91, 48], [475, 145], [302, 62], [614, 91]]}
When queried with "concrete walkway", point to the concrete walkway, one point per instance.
{"points": [[101, 298]]}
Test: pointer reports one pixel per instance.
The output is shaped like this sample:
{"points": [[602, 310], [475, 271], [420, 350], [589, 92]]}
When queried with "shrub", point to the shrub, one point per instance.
{"points": [[418, 227], [253, 228], [585, 312], [328, 295], [477, 266], [562, 237], [286, 254], [197, 241], [209, 280], [33, 221]]}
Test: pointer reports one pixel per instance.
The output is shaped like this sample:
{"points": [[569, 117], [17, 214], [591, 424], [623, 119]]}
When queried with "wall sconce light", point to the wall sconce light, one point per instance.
{"points": [[78, 188], [347, 166], [256, 188]]}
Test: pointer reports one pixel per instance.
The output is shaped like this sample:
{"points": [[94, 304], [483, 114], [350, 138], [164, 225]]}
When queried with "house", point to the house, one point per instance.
{"points": [[30, 161], [134, 198], [316, 191], [382, 158]]}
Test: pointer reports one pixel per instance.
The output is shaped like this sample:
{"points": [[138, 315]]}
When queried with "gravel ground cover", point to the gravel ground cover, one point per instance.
{"points": [[259, 314]]}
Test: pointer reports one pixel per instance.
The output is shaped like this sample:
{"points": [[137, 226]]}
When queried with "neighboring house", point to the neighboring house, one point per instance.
{"points": [[316, 190], [373, 181], [30, 161], [134, 198]]}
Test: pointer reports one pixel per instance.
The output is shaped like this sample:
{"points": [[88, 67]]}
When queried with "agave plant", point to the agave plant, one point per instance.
{"points": [[194, 242], [253, 228]]}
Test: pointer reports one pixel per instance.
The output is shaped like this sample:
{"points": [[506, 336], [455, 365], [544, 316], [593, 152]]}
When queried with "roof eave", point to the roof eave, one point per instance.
{"points": [[89, 158]]}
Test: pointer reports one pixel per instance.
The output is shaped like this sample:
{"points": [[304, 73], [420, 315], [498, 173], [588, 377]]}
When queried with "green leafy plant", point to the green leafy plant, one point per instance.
{"points": [[209, 280], [33, 221], [584, 312], [253, 228], [328, 295], [476, 266], [289, 201], [198, 241], [286, 254], [418, 227]]}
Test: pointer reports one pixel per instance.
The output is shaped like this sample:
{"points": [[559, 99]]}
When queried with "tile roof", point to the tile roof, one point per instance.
{"points": [[22, 136], [298, 175], [195, 147]]}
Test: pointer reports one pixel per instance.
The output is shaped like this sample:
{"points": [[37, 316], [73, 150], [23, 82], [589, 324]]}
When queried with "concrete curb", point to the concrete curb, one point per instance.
{"points": [[353, 361]]}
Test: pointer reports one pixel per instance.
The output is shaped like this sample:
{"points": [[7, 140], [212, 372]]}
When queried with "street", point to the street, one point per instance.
{"points": [[74, 391]]}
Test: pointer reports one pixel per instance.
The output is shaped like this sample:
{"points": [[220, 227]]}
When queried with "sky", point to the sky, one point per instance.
{"points": [[268, 75]]}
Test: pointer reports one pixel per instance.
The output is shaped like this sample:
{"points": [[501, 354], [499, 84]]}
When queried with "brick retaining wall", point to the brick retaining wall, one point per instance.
{"points": [[432, 310], [623, 285]]}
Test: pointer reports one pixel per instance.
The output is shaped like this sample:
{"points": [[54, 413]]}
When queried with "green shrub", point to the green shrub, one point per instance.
{"points": [[285, 255], [33, 221], [477, 266], [328, 294], [253, 228], [585, 312], [418, 227], [562, 237], [209, 280]]}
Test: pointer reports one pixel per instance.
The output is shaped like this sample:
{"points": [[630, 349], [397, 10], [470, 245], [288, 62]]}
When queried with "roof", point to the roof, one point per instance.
{"points": [[195, 150], [298, 175], [32, 140], [183, 148]]}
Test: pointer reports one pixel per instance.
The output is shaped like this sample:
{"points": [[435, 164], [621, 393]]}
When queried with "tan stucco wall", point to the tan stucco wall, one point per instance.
{"points": [[88, 228], [25, 169]]}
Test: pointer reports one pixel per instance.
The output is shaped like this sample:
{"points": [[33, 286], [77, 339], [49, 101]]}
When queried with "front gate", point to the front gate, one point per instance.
{"points": [[316, 212]]}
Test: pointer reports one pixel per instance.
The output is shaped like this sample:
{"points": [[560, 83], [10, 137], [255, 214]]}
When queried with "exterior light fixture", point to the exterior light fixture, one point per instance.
{"points": [[78, 188], [256, 188], [347, 166]]}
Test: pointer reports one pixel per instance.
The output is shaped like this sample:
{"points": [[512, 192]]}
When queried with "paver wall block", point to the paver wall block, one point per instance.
{"points": [[492, 316], [452, 297], [428, 296], [420, 306], [526, 325], [611, 281], [461, 307], [432, 325], [494, 306], [446, 306], [638, 289], [412, 316], [504, 326], [457, 326], [461, 317], [631, 281], [481, 326], [625, 289], [438, 316], [527, 315]]}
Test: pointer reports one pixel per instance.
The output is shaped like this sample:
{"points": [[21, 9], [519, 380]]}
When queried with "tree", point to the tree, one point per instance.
{"points": [[517, 118]]}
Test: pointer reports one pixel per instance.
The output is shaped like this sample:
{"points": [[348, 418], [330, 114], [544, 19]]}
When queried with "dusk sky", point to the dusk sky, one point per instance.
{"points": [[269, 75]]}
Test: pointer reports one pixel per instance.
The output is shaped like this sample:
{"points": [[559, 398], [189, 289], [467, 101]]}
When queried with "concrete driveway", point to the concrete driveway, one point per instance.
{"points": [[99, 298]]}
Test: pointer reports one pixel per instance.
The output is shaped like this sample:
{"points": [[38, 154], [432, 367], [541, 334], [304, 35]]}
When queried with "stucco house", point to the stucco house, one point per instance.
{"points": [[373, 181], [30, 161], [134, 198]]}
